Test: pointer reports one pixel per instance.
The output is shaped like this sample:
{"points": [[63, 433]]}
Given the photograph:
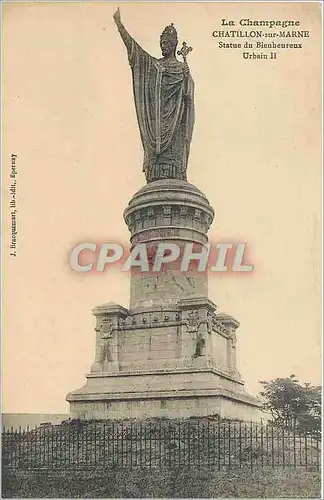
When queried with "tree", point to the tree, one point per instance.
{"points": [[292, 404]]}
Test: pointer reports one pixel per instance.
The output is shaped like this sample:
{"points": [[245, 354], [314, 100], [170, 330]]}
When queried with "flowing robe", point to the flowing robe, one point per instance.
{"points": [[164, 100]]}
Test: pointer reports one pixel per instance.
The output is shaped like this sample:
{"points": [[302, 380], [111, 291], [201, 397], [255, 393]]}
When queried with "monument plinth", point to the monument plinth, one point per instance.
{"points": [[175, 211], [169, 354]]}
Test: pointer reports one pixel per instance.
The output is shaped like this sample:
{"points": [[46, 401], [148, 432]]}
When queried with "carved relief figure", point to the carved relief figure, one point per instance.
{"points": [[193, 324], [105, 328]]}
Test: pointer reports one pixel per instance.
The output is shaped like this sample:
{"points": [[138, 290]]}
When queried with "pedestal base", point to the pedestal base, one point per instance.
{"points": [[177, 393]]}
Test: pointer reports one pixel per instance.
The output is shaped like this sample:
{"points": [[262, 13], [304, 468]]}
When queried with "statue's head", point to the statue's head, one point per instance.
{"points": [[169, 40]]}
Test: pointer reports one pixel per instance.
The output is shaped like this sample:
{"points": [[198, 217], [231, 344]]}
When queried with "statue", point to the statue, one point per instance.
{"points": [[164, 101]]}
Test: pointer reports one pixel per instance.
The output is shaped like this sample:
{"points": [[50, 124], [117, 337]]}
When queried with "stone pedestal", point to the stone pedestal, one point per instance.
{"points": [[168, 211], [169, 354]]}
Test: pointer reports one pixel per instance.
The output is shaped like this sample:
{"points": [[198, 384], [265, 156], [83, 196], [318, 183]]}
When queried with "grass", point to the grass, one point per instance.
{"points": [[166, 483]]}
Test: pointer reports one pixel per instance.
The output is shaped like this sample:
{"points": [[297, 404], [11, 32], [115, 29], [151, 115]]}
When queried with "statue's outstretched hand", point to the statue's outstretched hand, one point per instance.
{"points": [[117, 16]]}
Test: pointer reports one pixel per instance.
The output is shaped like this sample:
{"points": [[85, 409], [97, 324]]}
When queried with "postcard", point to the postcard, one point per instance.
{"points": [[162, 226]]}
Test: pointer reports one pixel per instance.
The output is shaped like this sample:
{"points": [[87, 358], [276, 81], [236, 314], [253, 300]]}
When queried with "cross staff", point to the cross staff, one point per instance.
{"points": [[184, 51]]}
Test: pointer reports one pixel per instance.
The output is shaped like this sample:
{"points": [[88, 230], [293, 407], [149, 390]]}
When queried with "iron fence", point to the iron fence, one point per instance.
{"points": [[156, 444]]}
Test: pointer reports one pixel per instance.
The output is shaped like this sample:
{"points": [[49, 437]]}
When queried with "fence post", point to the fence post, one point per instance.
{"points": [[294, 443], [229, 444], [208, 443], [27, 447], [169, 443], [179, 444], [251, 444], [188, 425], [306, 456], [272, 447], [262, 447], [219, 444], [283, 447], [161, 435], [317, 453], [198, 443], [113, 442], [240, 444]]}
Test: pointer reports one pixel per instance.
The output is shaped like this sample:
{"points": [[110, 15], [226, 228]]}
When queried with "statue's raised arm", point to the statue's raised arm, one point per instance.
{"points": [[125, 36], [127, 39], [164, 100]]}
